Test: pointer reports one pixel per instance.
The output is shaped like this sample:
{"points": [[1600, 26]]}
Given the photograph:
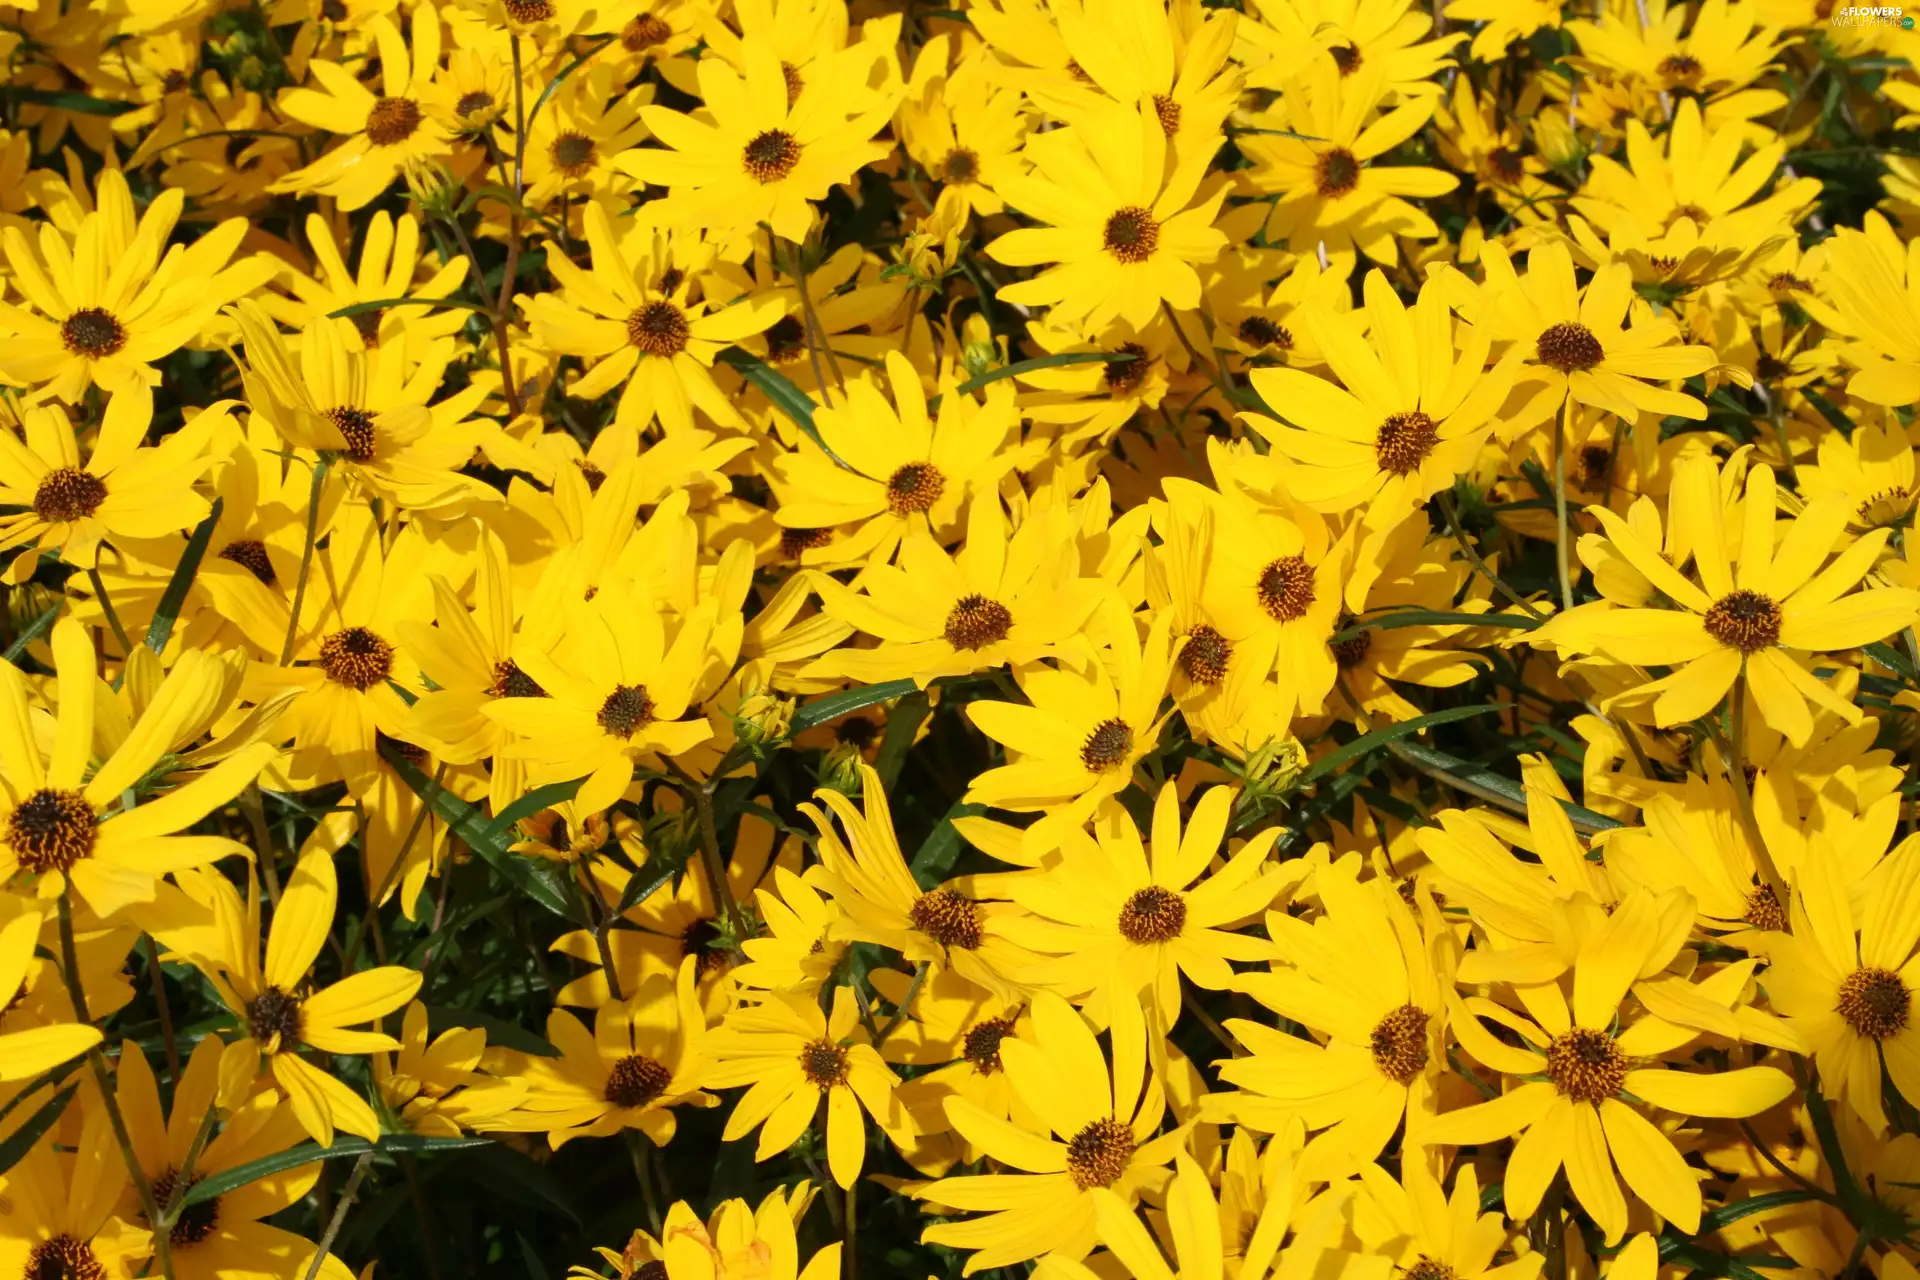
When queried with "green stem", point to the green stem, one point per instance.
{"points": [[1473, 556], [339, 1218], [1734, 756], [1563, 434], [306, 556], [113, 618], [900, 1014]]}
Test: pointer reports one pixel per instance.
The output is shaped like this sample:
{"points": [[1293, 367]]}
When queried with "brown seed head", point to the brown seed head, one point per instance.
{"points": [[51, 830], [771, 156], [68, 493], [1258, 332], [63, 1258], [1875, 1003], [356, 658], [1744, 620], [636, 1080], [1399, 1043], [1764, 910], [1098, 1155], [1286, 588], [1153, 914], [1107, 746], [275, 1013], [960, 166], [251, 554], [1132, 235], [93, 333], [196, 1221], [1204, 657], [644, 32], [659, 328], [976, 622], [981, 1046], [572, 152], [1404, 441], [1169, 112], [509, 681], [947, 918], [626, 711], [356, 431], [1569, 348], [392, 121], [1337, 172], [824, 1063], [914, 487], [1585, 1065]]}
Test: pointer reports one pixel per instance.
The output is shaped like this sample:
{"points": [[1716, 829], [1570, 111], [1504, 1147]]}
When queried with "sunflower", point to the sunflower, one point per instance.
{"points": [[886, 468], [63, 826], [123, 489], [1578, 1065], [1844, 977], [1412, 415], [1367, 980], [390, 134], [1095, 1130], [881, 902], [759, 155], [221, 1235], [280, 1008], [1081, 732], [799, 1060], [1125, 238], [1740, 622], [999, 600], [652, 341], [109, 297], [643, 1058], [1117, 918]]}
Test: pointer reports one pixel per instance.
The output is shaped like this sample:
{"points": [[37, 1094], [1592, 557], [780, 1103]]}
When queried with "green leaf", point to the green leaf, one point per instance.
{"points": [[1472, 777], [21, 1140], [1892, 659], [533, 802], [175, 596], [941, 849], [1436, 618], [381, 304], [78, 103], [786, 397], [903, 726], [502, 1170], [1391, 733], [834, 705], [488, 839], [219, 1184], [33, 631], [1838, 420], [1728, 1214], [1014, 370]]}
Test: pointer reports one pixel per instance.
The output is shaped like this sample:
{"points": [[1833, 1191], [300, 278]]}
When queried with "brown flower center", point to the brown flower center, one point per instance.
{"points": [[356, 658], [1352, 651], [636, 1080], [528, 11], [473, 103], [1787, 282], [509, 681], [1107, 746], [1764, 910], [1744, 620], [196, 1221], [1586, 1066], [356, 431], [1153, 914], [796, 83], [51, 830], [1569, 348], [981, 1046], [93, 333], [1679, 66], [1426, 1268], [68, 493], [659, 328], [914, 487], [1286, 588], [1132, 235], [1337, 172], [392, 121], [64, 1258], [1099, 1154], [1346, 57], [572, 153], [796, 542], [627, 710], [976, 622], [1399, 1043], [824, 1063], [771, 156], [947, 918], [1169, 112], [644, 32], [960, 166], [1204, 657], [1404, 441], [1506, 164], [1595, 461], [1258, 332], [251, 554], [1875, 1003], [274, 1020], [1123, 377], [786, 340]]}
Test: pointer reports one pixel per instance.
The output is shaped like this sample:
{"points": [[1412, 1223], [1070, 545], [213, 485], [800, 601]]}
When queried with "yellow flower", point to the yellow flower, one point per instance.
{"points": [[282, 1011], [1125, 238], [798, 1061], [759, 155], [738, 1241], [58, 1217], [28, 1051], [434, 1085], [390, 264]]}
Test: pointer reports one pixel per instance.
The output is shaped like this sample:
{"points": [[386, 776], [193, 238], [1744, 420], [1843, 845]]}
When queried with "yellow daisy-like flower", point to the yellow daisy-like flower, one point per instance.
{"points": [[434, 1085], [652, 341], [390, 132], [1117, 917], [278, 1007], [643, 1058], [60, 824], [798, 1060], [1096, 1131], [27, 1052], [58, 1217], [1124, 233], [758, 155]]}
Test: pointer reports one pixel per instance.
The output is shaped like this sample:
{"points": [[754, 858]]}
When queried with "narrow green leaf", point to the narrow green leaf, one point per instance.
{"points": [[21, 1140], [1471, 776], [1436, 618], [903, 726], [786, 397], [1892, 659], [941, 849], [834, 705], [1055, 361], [1728, 1214], [306, 1153], [79, 103], [644, 883], [381, 304], [1838, 420], [531, 803], [1391, 733], [469, 822], [33, 631], [175, 596]]}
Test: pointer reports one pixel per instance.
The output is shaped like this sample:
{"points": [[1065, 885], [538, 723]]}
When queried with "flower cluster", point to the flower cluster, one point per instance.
{"points": [[1120, 638]]}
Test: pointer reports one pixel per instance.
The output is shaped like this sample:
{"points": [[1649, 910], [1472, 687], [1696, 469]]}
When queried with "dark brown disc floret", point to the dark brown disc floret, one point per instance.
{"points": [[68, 493], [659, 328], [1098, 1155], [1404, 441], [274, 1013], [1744, 620], [975, 622], [392, 121], [51, 830], [93, 332], [914, 487], [770, 156], [1107, 746], [1569, 348], [1132, 234], [627, 710], [1875, 1002], [1399, 1043], [1285, 588], [356, 657], [947, 918], [1586, 1065], [1153, 914], [636, 1080]]}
